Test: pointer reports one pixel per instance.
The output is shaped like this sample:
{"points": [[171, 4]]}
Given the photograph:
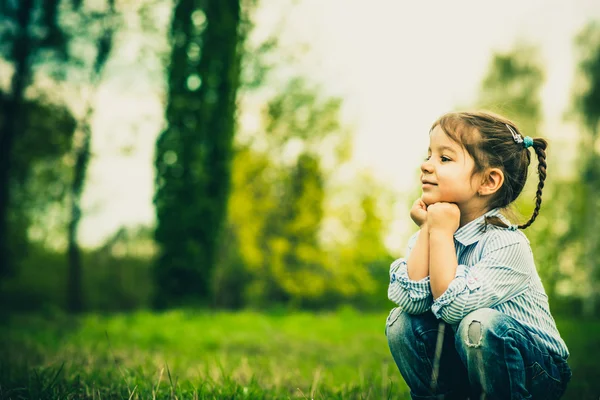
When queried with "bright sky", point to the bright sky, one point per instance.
{"points": [[397, 64]]}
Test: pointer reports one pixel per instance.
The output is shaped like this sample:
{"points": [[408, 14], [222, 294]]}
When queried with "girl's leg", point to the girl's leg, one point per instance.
{"points": [[504, 361], [412, 340]]}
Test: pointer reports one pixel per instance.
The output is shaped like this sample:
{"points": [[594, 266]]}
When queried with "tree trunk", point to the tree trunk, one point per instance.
{"points": [[192, 189], [75, 301], [82, 152], [591, 242], [21, 52]]}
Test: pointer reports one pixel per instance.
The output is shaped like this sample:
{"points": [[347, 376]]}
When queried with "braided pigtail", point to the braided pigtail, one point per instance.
{"points": [[539, 146]]}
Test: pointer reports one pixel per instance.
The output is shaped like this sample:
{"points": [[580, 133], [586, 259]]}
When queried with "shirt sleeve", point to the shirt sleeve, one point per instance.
{"points": [[504, 272], [414, 297]]}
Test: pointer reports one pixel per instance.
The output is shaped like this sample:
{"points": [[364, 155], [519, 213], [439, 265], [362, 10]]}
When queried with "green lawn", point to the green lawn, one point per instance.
{"points": [[218, 355]]}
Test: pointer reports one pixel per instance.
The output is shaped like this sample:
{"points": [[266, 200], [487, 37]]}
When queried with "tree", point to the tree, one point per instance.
{"points": [[512, 87], [193, 154], [241, 257], [360, 260], [38, 156], [29, 31], [276, 252], [296, 257], [274, 249], [81, 153], [585, 221], [38, 170]]}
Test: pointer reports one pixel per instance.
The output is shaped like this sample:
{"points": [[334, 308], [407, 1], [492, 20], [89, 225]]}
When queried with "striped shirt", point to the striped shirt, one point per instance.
{"points": [[495, 270]]}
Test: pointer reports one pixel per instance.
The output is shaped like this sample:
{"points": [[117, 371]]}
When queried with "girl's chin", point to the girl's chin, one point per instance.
{"points": [[429, 200]]}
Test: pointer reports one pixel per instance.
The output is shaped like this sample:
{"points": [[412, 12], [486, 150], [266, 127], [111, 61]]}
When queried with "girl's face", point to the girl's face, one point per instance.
{"points": [[447, 173]]}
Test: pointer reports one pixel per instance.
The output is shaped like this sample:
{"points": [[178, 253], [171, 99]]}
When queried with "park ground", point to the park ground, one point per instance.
{"points": [[199, 354]]}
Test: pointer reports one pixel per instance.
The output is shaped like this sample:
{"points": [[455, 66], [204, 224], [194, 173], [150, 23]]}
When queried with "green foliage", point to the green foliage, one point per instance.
{"points": [[48, 40], [29, 32], [368, 249], [512, 87], [113, 279], [274, 250], [193, 154], [42, 161], [276, 246], [295, 258], [38, 171], [241, 253], [585, 222], [587, 98], [341, 355], [299, 113]]}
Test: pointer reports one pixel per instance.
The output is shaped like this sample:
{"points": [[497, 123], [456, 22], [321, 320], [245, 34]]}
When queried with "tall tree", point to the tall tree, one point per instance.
{"points": [[81, 152], [193, 154], [28, 29], [585, 221], [36, 150]]}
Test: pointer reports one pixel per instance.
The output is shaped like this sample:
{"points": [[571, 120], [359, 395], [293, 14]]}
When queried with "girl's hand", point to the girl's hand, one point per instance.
{"points": [[443, 217], [418, 212]]}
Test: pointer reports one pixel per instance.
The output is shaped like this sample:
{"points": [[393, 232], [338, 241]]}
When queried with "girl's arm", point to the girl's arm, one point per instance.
{"points": [[412, 295], [443, 220], [442, 254], [418, 260]]}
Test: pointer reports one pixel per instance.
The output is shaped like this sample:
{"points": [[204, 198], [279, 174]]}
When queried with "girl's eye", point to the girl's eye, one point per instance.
{"points": [[445, 159], [427, 158]]}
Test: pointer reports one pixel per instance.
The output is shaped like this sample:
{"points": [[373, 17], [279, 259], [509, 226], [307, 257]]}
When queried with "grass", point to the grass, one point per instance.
{"points": [[224, 355]]}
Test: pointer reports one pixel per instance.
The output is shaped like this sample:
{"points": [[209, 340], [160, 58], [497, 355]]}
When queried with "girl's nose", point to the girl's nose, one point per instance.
{"points": [[426, 166]]}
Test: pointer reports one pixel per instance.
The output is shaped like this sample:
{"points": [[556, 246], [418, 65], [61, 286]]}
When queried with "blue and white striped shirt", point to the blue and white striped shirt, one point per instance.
{"points": [[495, 270]]}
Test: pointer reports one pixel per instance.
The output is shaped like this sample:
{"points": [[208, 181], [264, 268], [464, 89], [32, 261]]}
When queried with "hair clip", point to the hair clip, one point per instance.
{"points": [[516, 137]]}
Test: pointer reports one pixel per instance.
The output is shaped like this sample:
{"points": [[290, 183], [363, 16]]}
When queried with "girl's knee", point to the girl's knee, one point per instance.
{"points": [[397, 323], [402, 328], [479, 325]]}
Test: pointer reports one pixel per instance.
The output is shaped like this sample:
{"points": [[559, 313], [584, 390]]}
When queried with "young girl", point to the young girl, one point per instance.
{"points": [[473, 319]]}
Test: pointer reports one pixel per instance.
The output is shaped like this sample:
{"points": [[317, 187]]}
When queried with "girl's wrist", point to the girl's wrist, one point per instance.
{"points": [[439, 232]]}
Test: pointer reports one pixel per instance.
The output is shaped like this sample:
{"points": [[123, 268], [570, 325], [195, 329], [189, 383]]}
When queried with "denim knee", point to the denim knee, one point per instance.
{"points": [[398, 326], [503, 361], [477, 326]]}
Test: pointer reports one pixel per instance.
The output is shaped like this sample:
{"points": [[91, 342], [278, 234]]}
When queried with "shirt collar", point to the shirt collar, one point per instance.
{"points": [[474, 230]]}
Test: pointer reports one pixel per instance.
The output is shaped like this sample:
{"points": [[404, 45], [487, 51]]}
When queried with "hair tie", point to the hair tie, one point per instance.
{"points": [[527, 141]]}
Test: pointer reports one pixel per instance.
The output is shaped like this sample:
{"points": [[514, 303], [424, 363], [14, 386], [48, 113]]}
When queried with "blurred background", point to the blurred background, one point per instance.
{"points": [[259, 158]]}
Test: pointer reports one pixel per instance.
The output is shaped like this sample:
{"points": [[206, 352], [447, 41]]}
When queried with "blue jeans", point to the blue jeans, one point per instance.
{"points": [[488, 355]]}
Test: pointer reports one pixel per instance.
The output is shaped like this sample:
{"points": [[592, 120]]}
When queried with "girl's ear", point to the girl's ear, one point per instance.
{"points": [[492, 181]]}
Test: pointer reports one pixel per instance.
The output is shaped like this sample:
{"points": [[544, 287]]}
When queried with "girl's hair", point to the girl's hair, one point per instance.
{"points": [[488, 139]]}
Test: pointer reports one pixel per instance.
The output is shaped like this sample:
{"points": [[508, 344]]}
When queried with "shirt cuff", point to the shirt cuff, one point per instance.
{"points": [[455, 288], [417, 290]]}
